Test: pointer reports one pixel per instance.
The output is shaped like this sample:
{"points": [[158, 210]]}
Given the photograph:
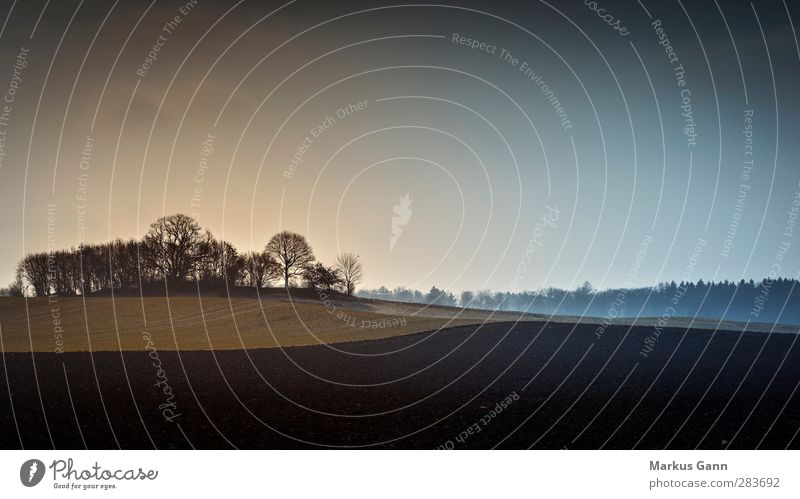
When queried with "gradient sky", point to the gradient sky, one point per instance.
{"points": [[467, 135]]}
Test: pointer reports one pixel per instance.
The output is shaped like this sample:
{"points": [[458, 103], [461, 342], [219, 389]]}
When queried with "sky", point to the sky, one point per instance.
{"points": [[467, 145]]}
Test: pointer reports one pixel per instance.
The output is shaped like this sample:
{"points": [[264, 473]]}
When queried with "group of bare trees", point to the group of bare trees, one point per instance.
{"points": [[177, 249], [90, 267]]}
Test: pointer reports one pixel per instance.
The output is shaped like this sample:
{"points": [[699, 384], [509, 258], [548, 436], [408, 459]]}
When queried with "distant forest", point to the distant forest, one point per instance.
{"points": [[176, 251], [768, 300]]}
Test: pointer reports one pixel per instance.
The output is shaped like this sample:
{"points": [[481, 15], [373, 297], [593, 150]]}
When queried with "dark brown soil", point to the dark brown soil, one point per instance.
{"points": [[420, 391]]}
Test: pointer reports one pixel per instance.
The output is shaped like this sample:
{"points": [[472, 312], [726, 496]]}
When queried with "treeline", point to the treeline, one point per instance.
{"points": [[176, 249], [768, 300]]}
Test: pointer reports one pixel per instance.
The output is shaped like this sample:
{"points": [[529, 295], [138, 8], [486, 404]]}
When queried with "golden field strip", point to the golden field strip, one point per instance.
{"points": [[75, 324]]}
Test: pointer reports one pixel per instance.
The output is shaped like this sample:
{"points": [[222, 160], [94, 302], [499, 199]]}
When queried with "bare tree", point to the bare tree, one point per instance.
{"points": [[34, 270], [259, 269], [350, 270], [292, 252], [175, 246], [62, 270], [232, 264], [318, 276], [17, 287], [222, 262], [96, 269], [124, 263]]}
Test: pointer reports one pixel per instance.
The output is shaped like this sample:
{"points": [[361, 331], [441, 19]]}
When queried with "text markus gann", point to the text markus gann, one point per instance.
{"points": [[676, 466]]}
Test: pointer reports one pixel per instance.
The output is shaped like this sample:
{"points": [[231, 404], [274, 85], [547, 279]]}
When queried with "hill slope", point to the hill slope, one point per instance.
{"points": [[186, 322]]}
